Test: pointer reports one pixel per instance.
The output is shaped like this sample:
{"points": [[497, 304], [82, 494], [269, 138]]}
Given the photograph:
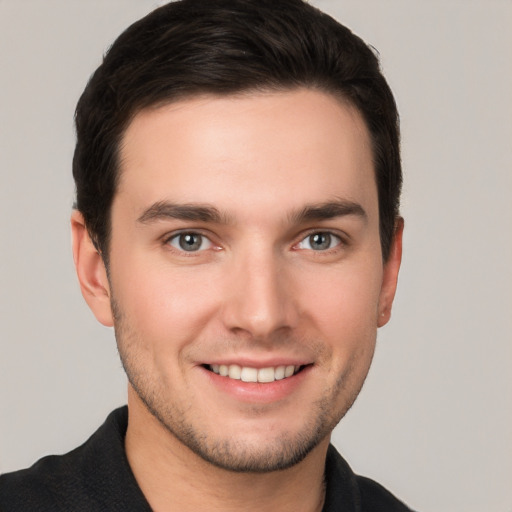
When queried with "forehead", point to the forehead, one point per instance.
{"points": [[261, 149]]}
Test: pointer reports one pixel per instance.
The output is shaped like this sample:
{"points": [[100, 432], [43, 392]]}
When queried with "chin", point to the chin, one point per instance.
{"points": [[253, 446], [249, 452]]}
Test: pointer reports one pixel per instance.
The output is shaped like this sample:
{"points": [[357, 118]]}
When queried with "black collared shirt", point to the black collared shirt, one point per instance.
{"points": [[96, 477]]}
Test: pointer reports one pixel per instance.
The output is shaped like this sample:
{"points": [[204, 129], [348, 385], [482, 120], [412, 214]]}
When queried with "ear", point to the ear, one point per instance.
{"points": [[91, 271], [390, 275]]}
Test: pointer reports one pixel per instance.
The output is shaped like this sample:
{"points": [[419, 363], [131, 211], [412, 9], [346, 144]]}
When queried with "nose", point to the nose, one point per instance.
{"points": [[260, 300]]}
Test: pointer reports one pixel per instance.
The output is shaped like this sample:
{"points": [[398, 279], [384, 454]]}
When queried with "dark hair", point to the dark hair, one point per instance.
{"points": [[222, 47]]}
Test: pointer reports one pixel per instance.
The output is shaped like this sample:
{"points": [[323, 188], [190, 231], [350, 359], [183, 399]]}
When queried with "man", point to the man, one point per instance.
{"points": [[238, 177]]}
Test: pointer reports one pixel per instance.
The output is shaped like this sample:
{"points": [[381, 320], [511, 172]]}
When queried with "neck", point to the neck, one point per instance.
{"points": [[172, 477]]}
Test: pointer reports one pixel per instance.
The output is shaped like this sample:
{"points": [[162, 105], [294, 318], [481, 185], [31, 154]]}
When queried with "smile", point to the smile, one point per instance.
{"points": [[248, 374]]}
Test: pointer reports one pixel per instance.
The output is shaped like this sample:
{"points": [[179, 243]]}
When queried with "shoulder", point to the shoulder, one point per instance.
{"points": [[347, 491], [375, 498], [44, 486], [94, 476]]}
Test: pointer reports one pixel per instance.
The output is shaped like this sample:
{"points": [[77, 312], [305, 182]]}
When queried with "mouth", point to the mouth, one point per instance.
{"points": [[249, 374]]}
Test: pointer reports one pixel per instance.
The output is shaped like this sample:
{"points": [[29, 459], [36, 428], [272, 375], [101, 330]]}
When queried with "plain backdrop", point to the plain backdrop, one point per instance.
{"points": [[434, 420]]}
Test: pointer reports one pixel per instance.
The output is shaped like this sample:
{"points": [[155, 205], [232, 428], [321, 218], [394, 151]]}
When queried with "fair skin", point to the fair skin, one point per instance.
{"points": [[245, 237]]}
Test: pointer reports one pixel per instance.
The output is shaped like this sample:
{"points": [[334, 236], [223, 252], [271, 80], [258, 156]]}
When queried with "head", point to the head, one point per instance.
{"points": [[238, 176], [224, 47]]}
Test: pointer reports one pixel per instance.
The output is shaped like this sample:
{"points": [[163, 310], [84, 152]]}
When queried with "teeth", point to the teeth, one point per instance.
{"points": [[279, 372], [235, 371], [266, 375], [248, 374]]}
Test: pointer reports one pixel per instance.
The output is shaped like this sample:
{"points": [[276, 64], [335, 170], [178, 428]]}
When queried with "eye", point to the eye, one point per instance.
{"points": [[319, 241], [190, 242]]}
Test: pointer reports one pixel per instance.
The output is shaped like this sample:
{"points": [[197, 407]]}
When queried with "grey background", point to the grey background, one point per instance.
{"points": [[434, 421]]}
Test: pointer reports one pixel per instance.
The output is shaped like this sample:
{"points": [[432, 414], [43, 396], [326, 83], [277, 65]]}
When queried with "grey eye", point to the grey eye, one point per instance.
{"points": [[190, 242], [320, 241]]}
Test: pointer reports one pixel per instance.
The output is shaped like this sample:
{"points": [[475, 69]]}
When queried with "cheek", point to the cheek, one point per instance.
{"points": [[164, 304], [343, 302]]}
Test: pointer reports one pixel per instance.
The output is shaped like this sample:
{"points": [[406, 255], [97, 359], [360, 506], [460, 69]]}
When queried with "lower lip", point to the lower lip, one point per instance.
{"points": [[258, 392]]}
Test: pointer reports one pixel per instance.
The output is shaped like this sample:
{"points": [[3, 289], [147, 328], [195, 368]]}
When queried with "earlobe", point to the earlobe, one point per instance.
{"points": [[91, 271], [390, 275]]}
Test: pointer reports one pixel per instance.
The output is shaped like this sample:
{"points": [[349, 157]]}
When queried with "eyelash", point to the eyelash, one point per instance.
{"points": [[176, 237], [332, 237]]}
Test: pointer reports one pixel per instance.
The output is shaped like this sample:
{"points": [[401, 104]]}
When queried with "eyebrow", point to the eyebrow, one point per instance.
{"points": [[162, 210], [328, 210]]}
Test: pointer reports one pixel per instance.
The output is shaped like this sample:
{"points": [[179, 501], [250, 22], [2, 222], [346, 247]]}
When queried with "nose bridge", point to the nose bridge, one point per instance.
{"points": [[260, 300]]}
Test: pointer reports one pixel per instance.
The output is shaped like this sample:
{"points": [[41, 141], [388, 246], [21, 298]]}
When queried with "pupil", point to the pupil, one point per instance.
{"points": [[321, 240], [190, 242]]}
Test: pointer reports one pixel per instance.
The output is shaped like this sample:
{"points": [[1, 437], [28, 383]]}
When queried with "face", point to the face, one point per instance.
{"points": [[246, 276]]}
